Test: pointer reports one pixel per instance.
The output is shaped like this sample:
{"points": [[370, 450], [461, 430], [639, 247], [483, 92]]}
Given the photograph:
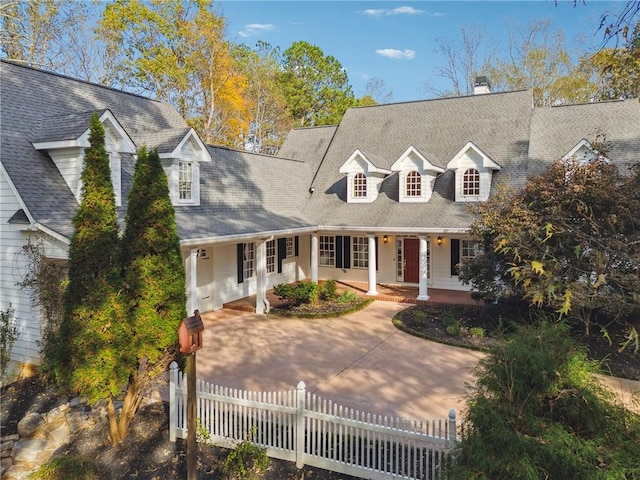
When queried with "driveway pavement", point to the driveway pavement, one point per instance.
{"points": [[360, 361]]}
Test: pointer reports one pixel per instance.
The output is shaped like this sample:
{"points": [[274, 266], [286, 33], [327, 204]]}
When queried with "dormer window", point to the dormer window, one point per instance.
{"points": [[363, 178], [185, 181], [413, 185], [471, 183], [416, 176], [359, 185], [473, 173]]}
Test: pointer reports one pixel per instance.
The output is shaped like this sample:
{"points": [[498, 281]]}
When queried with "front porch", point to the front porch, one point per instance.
{"points": [[386, 293]]}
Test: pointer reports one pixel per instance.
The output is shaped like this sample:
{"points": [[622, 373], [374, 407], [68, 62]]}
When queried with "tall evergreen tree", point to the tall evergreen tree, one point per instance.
{"points": [[93, 332], [154, 278]]}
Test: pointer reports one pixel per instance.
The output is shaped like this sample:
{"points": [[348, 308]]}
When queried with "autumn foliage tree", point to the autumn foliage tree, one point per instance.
{"points": [[569, 241]]}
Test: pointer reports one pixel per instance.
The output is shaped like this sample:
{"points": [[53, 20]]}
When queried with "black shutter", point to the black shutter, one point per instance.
{"points": [[282, 252], [240, 262], [346, 263], [338, 244], [296, 247], [377, 261], [455, 255]]}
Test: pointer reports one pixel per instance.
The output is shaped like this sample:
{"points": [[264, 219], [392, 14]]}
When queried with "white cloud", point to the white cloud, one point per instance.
{"points": [[255, 28], [405, 10], [395, 54]]}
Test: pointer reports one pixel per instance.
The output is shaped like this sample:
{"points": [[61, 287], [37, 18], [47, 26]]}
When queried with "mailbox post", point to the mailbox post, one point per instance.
{"points": [[190, 337]]}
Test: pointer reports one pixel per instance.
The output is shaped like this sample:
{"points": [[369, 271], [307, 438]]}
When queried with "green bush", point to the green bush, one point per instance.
{"points": [[328, 290], [67, 467], [537, 411], [453, 329], [246, 461], [8, 335], [302, 292], [348, 296], [477, 332]]}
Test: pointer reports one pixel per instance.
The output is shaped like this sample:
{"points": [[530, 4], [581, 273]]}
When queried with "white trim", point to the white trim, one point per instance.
{"points": [[371, 168], [487, 161], [427, 166]]}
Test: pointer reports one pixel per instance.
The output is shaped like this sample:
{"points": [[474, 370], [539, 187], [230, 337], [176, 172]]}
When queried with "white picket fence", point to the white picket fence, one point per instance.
{"points": [[300, 427]]}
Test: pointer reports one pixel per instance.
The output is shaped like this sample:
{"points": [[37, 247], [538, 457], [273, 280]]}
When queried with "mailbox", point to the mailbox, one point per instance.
{"points": [[190, 333]]}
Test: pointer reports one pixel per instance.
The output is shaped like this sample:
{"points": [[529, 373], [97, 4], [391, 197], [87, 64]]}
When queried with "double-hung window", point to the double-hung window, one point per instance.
{"points": [[185, 181], [290, 247], [468, 249], [248, 260], [271, 256], [327, 250], [360, 251]]}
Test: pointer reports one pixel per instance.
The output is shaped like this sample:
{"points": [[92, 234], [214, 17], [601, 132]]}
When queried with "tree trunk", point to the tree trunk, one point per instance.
{"points": [[113, 423], [130, 404]]}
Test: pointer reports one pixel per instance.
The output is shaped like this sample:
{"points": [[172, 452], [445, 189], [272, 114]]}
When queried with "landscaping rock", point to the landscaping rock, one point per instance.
{"points": [[30, 424], [32, 450]]}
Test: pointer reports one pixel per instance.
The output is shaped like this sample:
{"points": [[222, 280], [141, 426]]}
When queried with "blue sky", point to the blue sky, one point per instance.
{"points": [[395, 40]]}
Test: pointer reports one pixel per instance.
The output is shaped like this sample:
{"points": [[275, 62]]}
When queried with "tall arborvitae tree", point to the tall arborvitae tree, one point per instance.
{"points": [[154, 278], [94, 335]]}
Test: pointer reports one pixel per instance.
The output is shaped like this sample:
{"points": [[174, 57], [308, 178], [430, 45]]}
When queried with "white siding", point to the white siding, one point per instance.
{"points": [[69, 163], [12, 269], [441, 266]]}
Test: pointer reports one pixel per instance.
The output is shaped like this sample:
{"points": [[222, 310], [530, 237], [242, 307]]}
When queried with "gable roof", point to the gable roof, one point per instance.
{"points": [[498, 124], [36, 103], [555, 131]]}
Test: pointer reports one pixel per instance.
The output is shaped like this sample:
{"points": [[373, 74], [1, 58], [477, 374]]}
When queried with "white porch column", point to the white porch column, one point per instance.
{"points": [[314, 257], [193, 281], [372, 265], [422, 294], [261, 275]]}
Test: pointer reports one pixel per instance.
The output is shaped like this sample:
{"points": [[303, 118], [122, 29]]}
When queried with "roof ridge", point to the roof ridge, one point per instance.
{"points": [[66, 77]]}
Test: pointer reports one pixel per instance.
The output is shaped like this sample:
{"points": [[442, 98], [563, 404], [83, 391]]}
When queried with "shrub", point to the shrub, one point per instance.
{"points": [[453, 329], [348, 296], [246, 461], [328, 290], [8, 335], [477, 332], [283, 291], [63, 468], [537, 411]]}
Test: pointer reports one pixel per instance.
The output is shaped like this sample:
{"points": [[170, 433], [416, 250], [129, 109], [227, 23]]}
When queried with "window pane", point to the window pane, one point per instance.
{"points": [[248, 263], [327, 250], [185, 180], [414, 185], [271, 256], [290, 251], [360, 249], [471, 182], [360, 185]]}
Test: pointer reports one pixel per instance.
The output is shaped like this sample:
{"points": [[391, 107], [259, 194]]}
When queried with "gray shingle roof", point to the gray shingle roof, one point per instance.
{"points": [[498, 124], [556, 130], [28, 98], [243, 193]]}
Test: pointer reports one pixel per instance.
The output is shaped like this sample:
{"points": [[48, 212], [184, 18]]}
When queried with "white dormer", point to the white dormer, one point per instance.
{"points": [[363, 178], [584, 152], [473, 172], [68, 154], [182, 166], [416, 176]]}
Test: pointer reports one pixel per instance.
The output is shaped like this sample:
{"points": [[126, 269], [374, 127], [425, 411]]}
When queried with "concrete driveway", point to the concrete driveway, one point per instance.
{"points": [[360, 361]]}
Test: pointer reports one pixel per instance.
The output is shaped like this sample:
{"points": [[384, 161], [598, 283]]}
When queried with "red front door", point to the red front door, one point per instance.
{"points": [[411, 265]]}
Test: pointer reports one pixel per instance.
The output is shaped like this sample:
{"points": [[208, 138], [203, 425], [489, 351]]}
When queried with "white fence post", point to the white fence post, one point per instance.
{"points": [[173, 379], [300, 429], [452, 425]]}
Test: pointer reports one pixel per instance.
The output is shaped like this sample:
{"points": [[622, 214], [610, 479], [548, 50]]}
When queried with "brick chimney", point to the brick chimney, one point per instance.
{"points": [[481, 86]]}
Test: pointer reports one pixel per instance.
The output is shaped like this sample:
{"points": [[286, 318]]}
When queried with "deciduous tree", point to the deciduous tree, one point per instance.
{"points": [[570, 240]]}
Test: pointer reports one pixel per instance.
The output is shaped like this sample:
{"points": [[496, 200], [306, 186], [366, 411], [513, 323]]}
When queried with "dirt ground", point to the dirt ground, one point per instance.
{"points": [[146, 454]]}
